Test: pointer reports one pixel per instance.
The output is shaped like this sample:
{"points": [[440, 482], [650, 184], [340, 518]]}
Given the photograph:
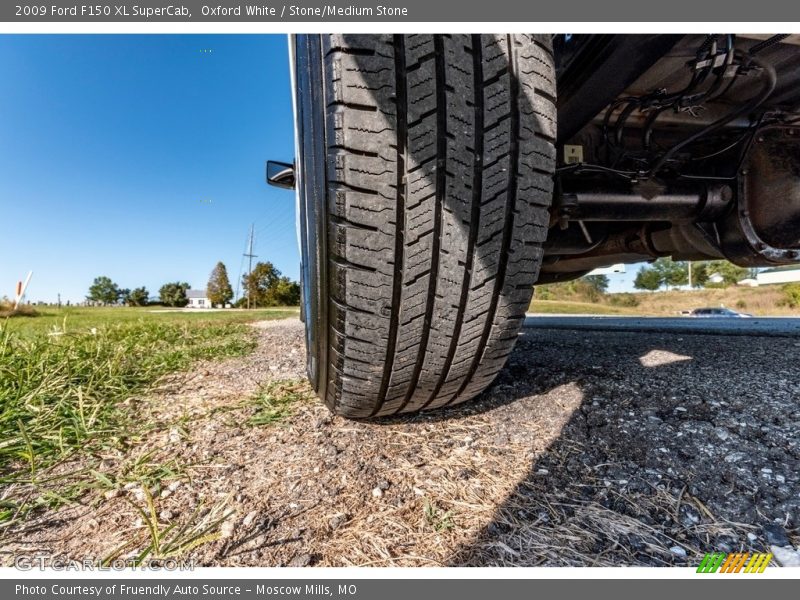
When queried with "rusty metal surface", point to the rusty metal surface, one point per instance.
{"points": [[765, 227], [772, 186]]}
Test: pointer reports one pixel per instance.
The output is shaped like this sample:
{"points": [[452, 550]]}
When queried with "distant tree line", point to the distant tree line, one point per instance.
{"points": [[105, 291], [663, 273], [667, 273], [264, 286]]}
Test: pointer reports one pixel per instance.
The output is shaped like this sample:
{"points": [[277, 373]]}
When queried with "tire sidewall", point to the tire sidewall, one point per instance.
{"points": [[312, 205]]}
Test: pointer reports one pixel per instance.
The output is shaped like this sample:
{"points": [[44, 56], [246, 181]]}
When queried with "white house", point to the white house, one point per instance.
{"points": [[198, 299]]}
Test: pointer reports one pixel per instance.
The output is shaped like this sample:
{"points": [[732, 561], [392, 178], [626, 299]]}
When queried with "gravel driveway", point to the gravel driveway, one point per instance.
{"points": [[591, 448]]}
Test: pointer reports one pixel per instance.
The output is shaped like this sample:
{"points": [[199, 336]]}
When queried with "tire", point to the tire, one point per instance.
{"points": [[426, 166]]}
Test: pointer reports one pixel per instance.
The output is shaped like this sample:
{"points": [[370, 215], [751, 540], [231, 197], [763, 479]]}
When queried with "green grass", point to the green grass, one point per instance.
{"points": [[575, 308], [82, 319], [276, 401], [437, 518], [70, 381]]}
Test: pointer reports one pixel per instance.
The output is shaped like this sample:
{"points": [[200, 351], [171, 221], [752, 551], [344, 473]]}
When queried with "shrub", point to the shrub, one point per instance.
{"points": [[791, 295], [7, 309], [623, 299]]}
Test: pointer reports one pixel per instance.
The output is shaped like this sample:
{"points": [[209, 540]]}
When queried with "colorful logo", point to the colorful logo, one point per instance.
{"points": [[741, 562]]}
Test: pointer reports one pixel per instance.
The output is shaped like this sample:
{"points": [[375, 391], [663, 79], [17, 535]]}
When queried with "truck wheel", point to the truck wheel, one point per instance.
{"points": [[425, 177]]}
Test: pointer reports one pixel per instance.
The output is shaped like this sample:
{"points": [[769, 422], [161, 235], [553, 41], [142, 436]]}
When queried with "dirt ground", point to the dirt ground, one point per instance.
{"points": [[591, 448]]}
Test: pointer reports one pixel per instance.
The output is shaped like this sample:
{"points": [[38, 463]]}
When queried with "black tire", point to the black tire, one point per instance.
{"points": [[426, 166]]}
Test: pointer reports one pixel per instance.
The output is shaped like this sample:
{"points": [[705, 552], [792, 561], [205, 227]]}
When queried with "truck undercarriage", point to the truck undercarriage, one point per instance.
{"points": [[681, 146]]}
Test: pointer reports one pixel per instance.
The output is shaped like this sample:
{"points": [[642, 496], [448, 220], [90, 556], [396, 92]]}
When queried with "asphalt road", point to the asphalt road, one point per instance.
{"points": [[759, 326]]}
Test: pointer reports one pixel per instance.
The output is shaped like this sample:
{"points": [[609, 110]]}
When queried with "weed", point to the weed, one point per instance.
{"points": [[174, 539], [141, 469], [436, 517], [275, 402]]}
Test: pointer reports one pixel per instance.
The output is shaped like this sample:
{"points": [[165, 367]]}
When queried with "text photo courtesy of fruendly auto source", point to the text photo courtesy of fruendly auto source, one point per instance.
{"points": [[400, 300]]}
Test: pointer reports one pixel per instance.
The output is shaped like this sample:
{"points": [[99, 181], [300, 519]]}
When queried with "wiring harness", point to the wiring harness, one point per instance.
{"points": [[716, 68]]}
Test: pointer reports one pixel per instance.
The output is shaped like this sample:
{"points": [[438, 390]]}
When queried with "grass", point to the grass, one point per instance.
{"points": [[768, 300], [437, 518], [276, 401], [565, 307], [761, 301], [82, 319], [174, 539], [70, 381], [143, 469]]}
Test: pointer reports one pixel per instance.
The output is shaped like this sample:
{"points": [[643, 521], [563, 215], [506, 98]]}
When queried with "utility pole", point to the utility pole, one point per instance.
{"points": [[690, 274], [250, 256]]}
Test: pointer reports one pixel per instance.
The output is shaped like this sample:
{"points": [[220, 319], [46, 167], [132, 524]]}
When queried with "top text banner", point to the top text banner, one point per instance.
{"points": [[402, 11]]}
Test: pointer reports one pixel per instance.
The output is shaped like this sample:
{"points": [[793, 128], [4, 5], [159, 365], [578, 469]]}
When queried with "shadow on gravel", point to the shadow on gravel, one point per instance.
{"points": [[678, 445]]}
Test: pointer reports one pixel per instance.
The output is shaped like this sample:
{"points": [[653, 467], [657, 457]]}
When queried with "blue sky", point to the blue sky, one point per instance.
{"points": [[142, 158], [623, 282]]}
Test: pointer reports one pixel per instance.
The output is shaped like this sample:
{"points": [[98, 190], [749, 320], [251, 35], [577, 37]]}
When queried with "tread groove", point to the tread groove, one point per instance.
{"points": [[511, 193], [475, 212], [441, 190], [402, 141]]}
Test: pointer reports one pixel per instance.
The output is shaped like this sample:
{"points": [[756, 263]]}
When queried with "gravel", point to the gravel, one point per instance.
{"points": [[591, 448]]}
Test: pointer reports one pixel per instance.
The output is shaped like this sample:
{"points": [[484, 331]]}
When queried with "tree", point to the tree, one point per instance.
{"points": [[265, 286], [730, 273], [598, 282], [174, 294], [673, 274], [258, 283], [700, 274], [219, 289], [664, 271], [103, 290], [647, 279], [138, 297], [284, 292]]}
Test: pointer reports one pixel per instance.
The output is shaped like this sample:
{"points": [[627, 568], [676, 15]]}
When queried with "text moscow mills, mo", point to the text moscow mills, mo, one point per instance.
{"points": [[188, 590]]}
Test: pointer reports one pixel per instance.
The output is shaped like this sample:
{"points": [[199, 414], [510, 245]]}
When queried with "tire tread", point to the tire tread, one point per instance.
{"points": [[440, 161]]}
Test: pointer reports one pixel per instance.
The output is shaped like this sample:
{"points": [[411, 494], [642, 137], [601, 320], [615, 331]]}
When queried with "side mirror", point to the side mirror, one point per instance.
{"points": [[280, 174]]}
